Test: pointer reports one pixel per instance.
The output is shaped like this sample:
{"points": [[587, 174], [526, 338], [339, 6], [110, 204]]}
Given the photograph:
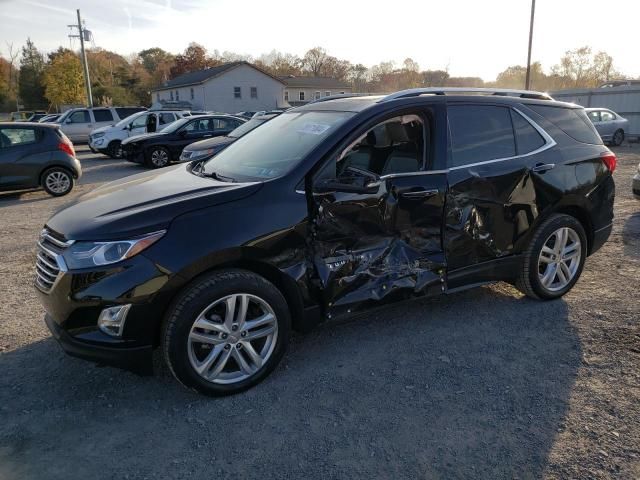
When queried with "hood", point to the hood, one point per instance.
{"points": [[210, 143], [143, 203], [144, 136], [101, 129]]}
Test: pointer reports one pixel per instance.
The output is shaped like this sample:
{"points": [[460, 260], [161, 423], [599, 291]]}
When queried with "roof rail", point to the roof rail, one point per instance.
{"points": [[415, 92], [341, 95]]}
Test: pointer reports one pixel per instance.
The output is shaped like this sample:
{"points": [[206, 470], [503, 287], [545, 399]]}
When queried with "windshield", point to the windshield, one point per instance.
{"points": [[129, 119], [276, 147], [174, 126], [246, 127]]}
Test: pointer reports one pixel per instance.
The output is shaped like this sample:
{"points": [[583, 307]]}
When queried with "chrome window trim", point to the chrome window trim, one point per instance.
{"points": [[549, 143]]}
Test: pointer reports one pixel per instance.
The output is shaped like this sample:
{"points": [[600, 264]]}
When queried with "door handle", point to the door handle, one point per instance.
{"points": [[420, 193], [543, 167]]}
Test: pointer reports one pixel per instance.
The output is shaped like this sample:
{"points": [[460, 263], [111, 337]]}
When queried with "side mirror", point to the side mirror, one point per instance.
{"points": [[352, 185], [68, 120]]}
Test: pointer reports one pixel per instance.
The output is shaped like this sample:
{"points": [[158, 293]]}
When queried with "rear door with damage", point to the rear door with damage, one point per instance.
{"points": [[377, 212]]}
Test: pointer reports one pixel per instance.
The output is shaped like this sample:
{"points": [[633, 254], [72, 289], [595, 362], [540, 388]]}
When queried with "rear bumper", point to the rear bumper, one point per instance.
{"points": [[134, 359], [600, 237]]}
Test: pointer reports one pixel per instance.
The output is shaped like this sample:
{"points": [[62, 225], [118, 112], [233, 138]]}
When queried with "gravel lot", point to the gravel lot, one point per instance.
{"points": [[480, 384]]}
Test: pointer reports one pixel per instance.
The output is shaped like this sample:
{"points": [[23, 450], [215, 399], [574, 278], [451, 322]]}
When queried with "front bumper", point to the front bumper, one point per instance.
{"points": [[134, 359], [635, 185], [76, 299], [132, 154]]}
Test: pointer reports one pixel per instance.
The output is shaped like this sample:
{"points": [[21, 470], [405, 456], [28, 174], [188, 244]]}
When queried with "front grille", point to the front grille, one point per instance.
{"points": [[49, 262]]}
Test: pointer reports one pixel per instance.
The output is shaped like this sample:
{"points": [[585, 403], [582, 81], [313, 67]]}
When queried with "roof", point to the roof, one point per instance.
{"points": [[315, 82], [201, 76]]}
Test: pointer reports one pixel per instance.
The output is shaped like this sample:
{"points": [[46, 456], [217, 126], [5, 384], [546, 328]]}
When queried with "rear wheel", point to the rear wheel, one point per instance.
{"points": [[57, 181], [226, 333], [618, 138], [555, 258], [158, 157], [115, 149]]}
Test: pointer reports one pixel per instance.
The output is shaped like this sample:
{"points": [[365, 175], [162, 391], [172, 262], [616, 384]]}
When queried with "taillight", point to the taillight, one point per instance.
{"points": [[67, 148], [609, 159]]}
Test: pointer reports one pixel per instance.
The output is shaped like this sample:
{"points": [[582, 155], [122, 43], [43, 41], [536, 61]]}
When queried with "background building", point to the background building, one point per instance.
{"points": [[303, 89]]}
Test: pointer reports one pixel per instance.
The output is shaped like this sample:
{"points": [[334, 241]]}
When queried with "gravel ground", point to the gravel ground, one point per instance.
{"points": [[480, 384]]}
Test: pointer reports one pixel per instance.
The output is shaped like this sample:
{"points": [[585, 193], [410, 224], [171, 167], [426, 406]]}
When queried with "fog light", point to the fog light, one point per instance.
{"points": [[111, 320]]}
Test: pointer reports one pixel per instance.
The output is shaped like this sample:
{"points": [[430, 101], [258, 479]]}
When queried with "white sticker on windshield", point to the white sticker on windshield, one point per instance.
{"points": [[314, 128]]}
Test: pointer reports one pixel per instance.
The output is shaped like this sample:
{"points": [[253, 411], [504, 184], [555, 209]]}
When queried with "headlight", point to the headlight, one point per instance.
{"points": [[98, 135], [198, 154], [99, 141], [91, 254]]}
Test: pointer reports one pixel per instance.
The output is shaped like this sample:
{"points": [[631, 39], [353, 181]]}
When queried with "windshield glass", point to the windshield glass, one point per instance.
{"points": [[246, 127], [129, 119], [173, 126], [277, 146]]}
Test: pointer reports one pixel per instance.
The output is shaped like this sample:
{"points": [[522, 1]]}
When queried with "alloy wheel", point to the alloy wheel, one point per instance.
{"points": [[233, 338], [58, 182], [559, 259], [159, 158]]}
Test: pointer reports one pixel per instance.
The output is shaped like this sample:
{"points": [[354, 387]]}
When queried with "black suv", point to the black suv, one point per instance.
{"points": [[325, 210]]}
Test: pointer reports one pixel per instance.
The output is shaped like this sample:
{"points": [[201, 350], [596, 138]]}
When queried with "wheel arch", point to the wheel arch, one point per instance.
{"points": [[578, 212], [46, 168]]}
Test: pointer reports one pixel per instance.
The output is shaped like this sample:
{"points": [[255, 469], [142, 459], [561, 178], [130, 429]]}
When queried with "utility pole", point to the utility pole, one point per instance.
{"points": [[82, 33], [528, 79]]}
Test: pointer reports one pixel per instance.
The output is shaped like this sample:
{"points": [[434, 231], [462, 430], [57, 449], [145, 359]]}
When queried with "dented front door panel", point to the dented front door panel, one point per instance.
{"points": [[381, 246]]}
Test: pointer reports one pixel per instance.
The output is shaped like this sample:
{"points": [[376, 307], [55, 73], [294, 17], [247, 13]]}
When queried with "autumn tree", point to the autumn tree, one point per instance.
{"points": [[31, 87], [580, 68], [194, 58], [63, 82]]}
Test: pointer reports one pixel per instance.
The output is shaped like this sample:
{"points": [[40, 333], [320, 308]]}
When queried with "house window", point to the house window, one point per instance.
{"points": [[254, 92], [317, 95], [286, 95], [171, 95], [236, 92], [192, 94], [157, 97], [327, 94], [301, 96], [177, 95], [341, 93]]}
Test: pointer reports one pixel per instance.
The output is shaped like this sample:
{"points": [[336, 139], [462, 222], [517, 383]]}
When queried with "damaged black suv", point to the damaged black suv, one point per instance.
{"points": [[328, 209]]}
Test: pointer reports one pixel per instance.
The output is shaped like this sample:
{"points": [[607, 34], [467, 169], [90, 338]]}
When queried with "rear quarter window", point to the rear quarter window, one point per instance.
{"points": [[103, 115], [572, 121], [12, 137]]}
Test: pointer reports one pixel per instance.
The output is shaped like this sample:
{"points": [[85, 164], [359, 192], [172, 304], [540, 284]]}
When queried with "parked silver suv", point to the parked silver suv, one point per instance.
{"points": [[78, 123]]}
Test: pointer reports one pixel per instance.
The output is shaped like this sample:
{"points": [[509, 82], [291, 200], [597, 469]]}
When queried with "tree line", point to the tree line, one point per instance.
{"points": [[49, 81]]}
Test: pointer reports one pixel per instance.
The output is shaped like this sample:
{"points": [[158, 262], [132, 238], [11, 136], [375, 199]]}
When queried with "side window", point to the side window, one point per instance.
{"points": [[396, 145], [301, 96], [606, 116], [140, 122], [317, 96], [11, 137], [594, 116], [166, 118], [572, 121], [103, 115], [527, 137], [203, 124], [254, 92], [237, 92], [480, 133], [81, 116]]}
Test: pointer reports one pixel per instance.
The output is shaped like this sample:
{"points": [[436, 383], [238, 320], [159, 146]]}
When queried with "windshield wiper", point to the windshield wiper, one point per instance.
{"points": [[217, 176]]}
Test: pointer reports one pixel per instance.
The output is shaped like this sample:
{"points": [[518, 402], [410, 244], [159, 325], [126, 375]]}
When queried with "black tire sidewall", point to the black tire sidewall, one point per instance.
{"points": [[550, 227], [183, 313], [613, 140], [113, 147], [62, 170], [155, 149]]}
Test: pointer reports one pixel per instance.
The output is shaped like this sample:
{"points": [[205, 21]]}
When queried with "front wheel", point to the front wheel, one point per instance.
{"points": [[555, 258], [618, 138], [226, 332], [158, 157], [57, 181], [115, 149]]}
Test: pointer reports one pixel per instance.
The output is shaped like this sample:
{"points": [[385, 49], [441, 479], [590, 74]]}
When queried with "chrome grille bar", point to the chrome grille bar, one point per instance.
{"points": [[48, 260]]}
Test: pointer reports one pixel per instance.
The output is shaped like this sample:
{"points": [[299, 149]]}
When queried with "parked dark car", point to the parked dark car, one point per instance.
{"points": [[205, 149], [325, 210], [37, 155], [156, 150], [36, 117]]}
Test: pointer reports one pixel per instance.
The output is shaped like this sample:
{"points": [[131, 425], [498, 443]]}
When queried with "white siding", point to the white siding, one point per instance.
{"points": [[310, 92]]}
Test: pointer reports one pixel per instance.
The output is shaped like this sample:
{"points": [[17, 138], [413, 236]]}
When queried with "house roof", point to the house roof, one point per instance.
{"points": [[201, 76], [313, 82]]}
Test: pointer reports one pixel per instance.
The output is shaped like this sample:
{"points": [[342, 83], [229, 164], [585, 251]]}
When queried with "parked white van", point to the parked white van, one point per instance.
{"points": [[77, 123], [107, 140]]}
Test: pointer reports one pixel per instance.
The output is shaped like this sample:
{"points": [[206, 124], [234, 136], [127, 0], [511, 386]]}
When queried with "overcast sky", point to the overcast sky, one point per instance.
{"points": [[470, 37]]}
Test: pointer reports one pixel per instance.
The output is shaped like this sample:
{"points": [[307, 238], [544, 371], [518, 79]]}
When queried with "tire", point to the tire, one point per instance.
{"points": [[57, 181], [206, 303], [618, 138], [114, 149], [158, 157], [537, 278]]}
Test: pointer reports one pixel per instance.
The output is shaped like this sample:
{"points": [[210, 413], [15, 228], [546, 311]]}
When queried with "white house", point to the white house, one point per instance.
{"points": [[304, 89], [231, 87]]}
